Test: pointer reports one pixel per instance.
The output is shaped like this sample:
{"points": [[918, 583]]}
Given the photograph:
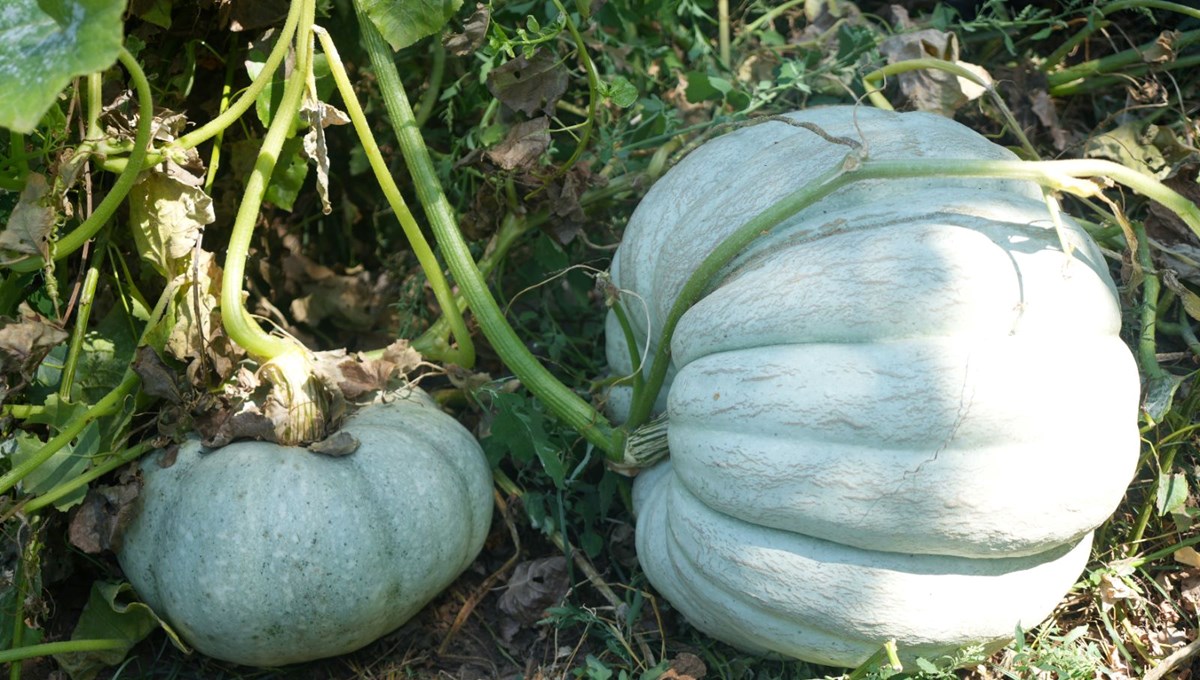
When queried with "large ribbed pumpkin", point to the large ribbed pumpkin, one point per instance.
{"points": [[267, 555], [899, 415]]}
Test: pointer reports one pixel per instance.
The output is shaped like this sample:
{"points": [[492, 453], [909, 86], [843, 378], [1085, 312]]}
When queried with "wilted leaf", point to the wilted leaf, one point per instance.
{"points": [[523, 146], [1043, 107], [100, 521], [404, 23], [535, 586], [167, 217], [351, 299], [475, 30], [46, 43], [109, 615], [931, 90], [356, 376], [530, 85], [31, 223]]}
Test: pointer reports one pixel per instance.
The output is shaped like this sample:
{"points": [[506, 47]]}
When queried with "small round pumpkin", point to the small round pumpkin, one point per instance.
{"points": [[899, 415], [268, 555]]}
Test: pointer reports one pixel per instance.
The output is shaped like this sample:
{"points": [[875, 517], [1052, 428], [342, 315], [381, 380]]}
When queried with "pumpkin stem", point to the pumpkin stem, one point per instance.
{"points": [[298, 402], [644, 447]]}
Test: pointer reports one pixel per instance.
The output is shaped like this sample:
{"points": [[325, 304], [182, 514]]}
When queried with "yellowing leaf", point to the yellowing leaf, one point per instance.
{"points": [[167, 216]]}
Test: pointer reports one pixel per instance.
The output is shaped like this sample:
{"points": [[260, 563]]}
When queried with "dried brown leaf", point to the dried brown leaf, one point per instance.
{"points": [[219, 426], [402, 355], [535, 585], [319, 115], [157, 379], [25, 341], [475, 30], [28, 230], [928, 89], [167, 216], [530, 85], [1113, 588], [97, 525], [340, 443], [198, 336], [523, 146]]}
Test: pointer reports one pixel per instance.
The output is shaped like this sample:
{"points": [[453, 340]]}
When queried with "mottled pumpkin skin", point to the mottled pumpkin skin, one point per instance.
{"points": [[267, 555], [899, 415]]}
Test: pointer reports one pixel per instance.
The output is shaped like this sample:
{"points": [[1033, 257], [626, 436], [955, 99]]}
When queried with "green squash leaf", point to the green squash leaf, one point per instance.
{"points": [[1172, 493], [66, 464], [404, 23], [46, 43], [109, 616]]}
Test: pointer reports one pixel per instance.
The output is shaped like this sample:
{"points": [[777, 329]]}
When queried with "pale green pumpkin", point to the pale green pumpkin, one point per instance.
{"points": [[898, 415], [268, 555]]}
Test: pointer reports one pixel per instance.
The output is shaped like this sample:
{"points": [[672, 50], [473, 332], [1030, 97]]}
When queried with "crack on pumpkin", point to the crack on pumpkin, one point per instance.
{"points": [[966, 398]]}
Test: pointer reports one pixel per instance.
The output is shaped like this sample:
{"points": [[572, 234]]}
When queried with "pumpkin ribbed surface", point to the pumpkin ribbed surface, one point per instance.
{"points": [[898, 415], [268, 555]]}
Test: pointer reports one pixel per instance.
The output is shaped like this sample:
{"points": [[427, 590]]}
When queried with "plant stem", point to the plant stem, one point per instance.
{"points": [[214, 156], [107, 405], [561, 401], [75, 239], [1112, 62], [1082, 85], [129, 454], [1148, 310], [240, 326], [636, 360], [429, 99], [464, 355], [723, 49], [512, 228], [25, 557], [65, 647], [1095, 23], [95, 104], [86, 296]]}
